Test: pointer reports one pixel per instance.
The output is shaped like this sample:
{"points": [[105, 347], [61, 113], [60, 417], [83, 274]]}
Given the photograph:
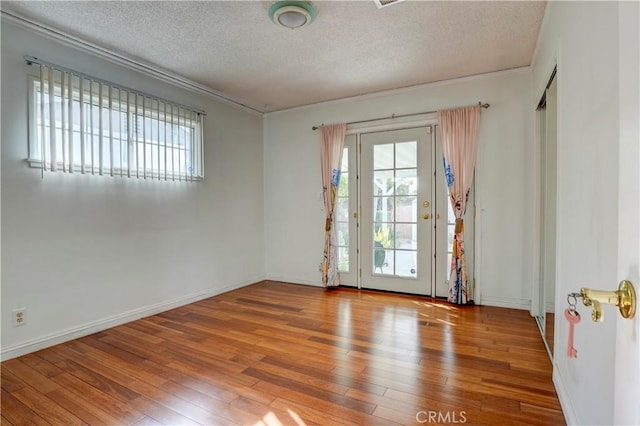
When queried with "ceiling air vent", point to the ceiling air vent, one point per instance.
{"points": [[385, 3]]}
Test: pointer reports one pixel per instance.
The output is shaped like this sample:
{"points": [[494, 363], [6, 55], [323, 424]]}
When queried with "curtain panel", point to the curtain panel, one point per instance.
{"points": [[331, 146], [459, 129]]}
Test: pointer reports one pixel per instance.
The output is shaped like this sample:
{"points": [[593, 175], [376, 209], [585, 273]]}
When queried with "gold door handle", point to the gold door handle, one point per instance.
{"points": [[624, 298], [425, 216]]}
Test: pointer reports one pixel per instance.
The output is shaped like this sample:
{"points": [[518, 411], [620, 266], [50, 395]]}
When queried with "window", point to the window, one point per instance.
{"points": [[341, 214], [81, 124], [451, 231], [395, 209]]}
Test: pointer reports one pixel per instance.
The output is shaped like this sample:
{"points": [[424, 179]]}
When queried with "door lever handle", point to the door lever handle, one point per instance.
{"points": [[624, 298]]}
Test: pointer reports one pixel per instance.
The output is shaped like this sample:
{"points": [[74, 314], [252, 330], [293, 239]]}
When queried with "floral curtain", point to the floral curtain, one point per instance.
{"points": [[331, 145], [459, 129]]}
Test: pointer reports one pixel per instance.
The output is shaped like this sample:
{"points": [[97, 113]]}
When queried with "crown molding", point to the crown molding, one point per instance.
{"points": [[403, 90], [116, 58]]}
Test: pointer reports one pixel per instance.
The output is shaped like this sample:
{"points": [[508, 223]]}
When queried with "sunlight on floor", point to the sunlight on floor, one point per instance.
{"points": [[270, 419], [448, 310], [442, 306], [296, 417]]}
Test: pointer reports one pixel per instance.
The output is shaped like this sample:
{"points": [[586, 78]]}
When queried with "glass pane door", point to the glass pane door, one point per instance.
{"points": [[397, 212]]}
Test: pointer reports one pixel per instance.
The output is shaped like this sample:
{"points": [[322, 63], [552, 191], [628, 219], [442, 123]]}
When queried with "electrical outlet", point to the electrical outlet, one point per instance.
{"points": [[19, 317]]}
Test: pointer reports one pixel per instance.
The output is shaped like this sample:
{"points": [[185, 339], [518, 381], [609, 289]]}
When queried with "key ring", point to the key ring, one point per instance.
{"points": [[572, 301]]}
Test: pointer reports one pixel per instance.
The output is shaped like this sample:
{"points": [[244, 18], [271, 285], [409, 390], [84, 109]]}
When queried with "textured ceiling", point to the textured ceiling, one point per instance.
{"points": [[352, 48]]}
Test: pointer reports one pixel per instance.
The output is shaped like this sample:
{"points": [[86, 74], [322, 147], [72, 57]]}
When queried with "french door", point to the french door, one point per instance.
{"points": [[397, 208], [394, 223]]}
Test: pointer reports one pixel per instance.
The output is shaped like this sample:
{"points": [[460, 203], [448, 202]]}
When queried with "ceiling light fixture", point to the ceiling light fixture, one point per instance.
{"points": [[385, 3], [292, 14]]}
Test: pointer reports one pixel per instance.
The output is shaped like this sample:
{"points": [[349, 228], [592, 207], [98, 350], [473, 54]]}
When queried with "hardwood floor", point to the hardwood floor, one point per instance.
{"points": [[549, 323], [275, 353]]}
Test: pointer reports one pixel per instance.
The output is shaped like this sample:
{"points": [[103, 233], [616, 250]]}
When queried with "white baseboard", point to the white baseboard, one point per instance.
{"points": [[505, 302], [550, 307], [115, 320], [501, 302], [294, 280], [563, 396]]}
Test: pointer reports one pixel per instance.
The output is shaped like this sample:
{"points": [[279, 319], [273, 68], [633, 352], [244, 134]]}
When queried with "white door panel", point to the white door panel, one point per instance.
{"points": [[627, 360], [397, 210]]}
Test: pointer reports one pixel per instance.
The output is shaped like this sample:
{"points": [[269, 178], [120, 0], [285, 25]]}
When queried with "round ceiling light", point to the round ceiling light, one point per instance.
{"points": [[292, 14]]}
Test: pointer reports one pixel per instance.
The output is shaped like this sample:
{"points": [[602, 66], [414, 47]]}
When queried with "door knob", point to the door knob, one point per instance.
{"points": [[425, 216]]}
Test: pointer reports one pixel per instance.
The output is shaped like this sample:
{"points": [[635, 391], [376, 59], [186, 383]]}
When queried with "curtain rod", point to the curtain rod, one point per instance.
{"points": [[31, 61], [480, 104]]}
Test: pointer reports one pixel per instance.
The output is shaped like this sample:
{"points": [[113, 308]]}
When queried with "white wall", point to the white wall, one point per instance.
{"points": [[84, 252], [583, 38], [294, 217]]}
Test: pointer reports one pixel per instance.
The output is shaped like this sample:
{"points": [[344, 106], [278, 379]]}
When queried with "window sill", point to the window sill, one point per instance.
{"points": [[106, 171]]}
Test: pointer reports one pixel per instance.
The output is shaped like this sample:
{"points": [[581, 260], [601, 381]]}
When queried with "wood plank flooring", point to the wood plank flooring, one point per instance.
{"points": [[275, 353]]}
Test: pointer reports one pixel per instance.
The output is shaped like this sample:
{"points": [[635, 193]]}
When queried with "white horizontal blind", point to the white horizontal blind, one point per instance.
{"points": [[85, 125]]}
